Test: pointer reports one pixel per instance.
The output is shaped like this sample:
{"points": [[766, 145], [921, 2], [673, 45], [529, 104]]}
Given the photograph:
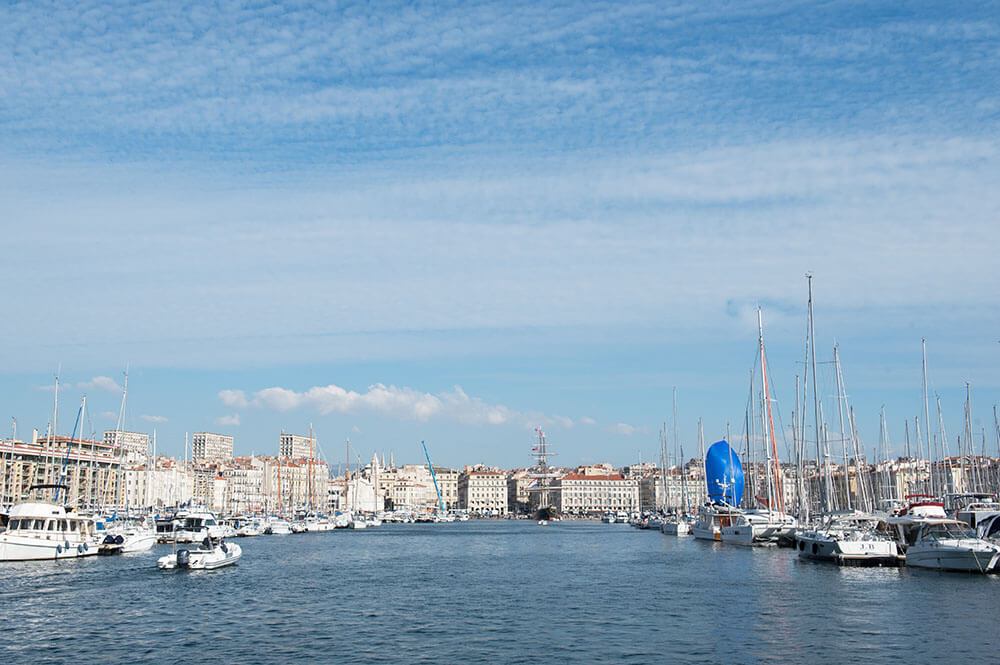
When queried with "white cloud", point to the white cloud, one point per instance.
{"points": [[100, 383], [627, 430], [356, 430], [109, 415], [236, 399], [587, 420], [153, 419], [228, 420], [395, 402]]}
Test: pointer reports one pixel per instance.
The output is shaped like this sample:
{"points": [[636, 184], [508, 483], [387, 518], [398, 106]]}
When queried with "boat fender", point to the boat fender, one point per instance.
{"points": [[66, 546], [86, 547], [79, 549], [59, 549], [802, 546], [183, 558], [815, 548]]}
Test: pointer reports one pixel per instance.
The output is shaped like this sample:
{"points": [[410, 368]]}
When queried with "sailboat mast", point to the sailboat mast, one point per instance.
{"points": [[816, 421], [927, 414], [840, 413], [769, 426]]}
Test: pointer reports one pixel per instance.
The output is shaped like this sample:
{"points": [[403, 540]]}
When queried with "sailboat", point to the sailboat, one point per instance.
{"points": [[770, 523], [724, 478]]}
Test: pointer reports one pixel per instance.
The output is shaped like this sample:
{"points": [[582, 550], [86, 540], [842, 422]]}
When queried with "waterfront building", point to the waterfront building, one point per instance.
{"points": [[586, 491], [519, 484], [483, 491], [295, 483], [209, 447], [244, 486], [411, 487], [91, 469], [134, 446], [164, 482], [294, 446], [209, 485]]}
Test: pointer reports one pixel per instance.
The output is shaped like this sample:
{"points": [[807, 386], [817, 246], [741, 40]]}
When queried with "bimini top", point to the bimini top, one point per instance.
{"points": [[724, 474]]}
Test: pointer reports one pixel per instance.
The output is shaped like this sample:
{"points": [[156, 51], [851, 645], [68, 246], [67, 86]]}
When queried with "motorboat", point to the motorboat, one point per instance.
{"points": [[849, 538], [126, 536], [210, 555], [193, 526], [277, 526], [759, 527], [930, 539], [711, 518], [675, 526], [946, 544], [38, 530]]}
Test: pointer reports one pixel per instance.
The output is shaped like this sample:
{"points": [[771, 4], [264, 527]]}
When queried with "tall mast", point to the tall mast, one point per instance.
{"points": [[843, 440], [927, 413], [310, 486], [769, 426], [816, 421]]}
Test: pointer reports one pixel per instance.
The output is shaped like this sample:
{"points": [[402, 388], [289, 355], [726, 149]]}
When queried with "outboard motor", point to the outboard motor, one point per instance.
{"points": [[183, 558], [119, 539], [109, 539]]}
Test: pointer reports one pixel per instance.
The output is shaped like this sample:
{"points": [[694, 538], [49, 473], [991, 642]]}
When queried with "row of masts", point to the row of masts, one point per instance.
{"points": [[861, 484]]}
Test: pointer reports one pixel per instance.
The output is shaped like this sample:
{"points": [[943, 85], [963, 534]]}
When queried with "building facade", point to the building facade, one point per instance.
{"points": [[590, 493], [483, 491], [296, 447], [210, 447]]}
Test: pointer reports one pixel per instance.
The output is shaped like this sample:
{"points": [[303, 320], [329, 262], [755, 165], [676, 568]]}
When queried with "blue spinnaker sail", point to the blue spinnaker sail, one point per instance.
{"points": [[724, 474]]}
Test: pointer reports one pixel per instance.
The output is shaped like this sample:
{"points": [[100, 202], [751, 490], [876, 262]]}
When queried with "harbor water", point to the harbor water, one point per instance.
{"points": [[493, 592]]}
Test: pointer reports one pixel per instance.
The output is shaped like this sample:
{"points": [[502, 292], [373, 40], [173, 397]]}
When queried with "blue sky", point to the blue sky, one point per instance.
{"points": [[459, 222]]}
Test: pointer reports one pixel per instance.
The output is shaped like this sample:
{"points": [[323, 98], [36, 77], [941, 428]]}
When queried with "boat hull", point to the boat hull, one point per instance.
{"points": [[951, 558]]}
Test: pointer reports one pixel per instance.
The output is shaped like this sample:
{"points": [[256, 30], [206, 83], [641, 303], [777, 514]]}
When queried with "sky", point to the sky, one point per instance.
{"points": [[458, 222]]}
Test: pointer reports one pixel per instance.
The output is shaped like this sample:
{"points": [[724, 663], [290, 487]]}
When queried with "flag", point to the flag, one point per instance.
{"points": [[533, 483]]}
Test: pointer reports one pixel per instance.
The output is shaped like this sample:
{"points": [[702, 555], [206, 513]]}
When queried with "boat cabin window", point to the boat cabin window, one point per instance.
{"points": [[994, 529], [40, 525], [63, 526], [947, 531], [53, 524], [13, 524], [72, 525]]}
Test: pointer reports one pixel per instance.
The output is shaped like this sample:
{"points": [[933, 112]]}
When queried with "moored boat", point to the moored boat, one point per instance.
{"points": [[39, 530]]}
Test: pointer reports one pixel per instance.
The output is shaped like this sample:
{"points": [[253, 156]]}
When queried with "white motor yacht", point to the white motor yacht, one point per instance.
{"points": [[676, 526], [759, 527], [193, 526], [946, 544], [210, 555], [277, 526], [38, 530], [849, 538]]}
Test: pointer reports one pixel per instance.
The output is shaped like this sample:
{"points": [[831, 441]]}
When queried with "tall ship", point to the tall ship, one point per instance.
{"points": [[542, 476]]}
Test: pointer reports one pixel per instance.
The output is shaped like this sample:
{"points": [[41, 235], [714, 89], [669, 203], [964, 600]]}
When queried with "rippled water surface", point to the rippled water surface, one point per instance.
{"points": [[493, 592]]}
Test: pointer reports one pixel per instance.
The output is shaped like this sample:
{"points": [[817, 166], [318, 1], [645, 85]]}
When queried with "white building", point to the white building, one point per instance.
{"points": [[209, 447], [296, 447], [483, 491], [589, 492], [133, 445]]}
